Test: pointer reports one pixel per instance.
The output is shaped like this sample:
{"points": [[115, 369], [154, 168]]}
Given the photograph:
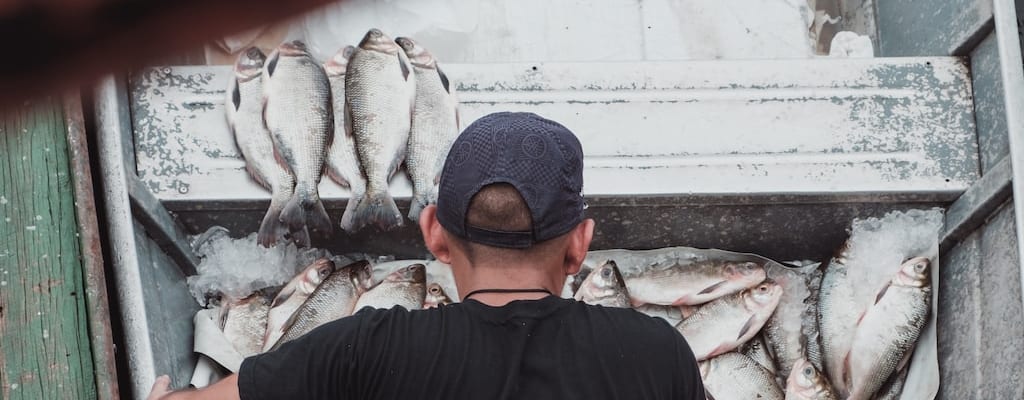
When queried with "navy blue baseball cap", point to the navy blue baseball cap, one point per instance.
{"points": [[539, 157]]}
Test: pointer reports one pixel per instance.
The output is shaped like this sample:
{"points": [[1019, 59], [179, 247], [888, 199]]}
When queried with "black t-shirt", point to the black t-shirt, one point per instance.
{"points": [[551, 348]]}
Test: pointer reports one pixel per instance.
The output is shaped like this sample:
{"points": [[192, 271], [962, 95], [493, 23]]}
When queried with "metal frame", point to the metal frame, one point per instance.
{"points": [[1012, 71], [111, 113]]}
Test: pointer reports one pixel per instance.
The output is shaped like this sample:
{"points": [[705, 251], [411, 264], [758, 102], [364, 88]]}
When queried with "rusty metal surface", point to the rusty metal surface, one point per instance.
{"points": [[100, 335]]}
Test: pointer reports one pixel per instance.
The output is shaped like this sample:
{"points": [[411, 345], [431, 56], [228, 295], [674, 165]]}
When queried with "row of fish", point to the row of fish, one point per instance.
{"points": [[735, 315], [358, 117], [319, 294]]}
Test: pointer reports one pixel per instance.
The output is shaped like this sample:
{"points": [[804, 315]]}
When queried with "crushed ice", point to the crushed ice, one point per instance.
{"points": [[877, 246]]}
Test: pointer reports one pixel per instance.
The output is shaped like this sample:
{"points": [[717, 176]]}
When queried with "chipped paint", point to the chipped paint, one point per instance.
{"points": [[823, 126]]}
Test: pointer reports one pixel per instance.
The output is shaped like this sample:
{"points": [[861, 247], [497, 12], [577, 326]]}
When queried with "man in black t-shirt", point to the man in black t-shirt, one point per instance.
{"points": [[509, 220]]}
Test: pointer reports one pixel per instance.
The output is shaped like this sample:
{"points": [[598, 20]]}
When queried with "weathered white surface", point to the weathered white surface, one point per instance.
{"points": [[482, 31], [838, 127]]}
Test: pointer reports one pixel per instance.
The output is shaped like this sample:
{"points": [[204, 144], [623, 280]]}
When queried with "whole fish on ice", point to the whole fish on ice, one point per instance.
{"points": [[292, 296], [405, 287], [724, 324], [604, 286], [244, 321], [886, 335], [435, 124], [334, 298], [838, 312], [734, 376], [806, 383], [692, 284], [379, 93], [244, 107], [342, 161], [298, 112], [435, 297]]}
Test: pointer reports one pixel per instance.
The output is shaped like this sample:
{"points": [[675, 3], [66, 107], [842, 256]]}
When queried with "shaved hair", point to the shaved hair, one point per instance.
{"points": [[500, 207]]}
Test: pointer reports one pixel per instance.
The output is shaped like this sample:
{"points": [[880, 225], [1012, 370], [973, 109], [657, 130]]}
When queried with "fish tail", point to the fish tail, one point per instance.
{"points": [[271, 229], [317, 216], [378, 209], [419, 201], [348, 215], [294, 215], [301, 237]]}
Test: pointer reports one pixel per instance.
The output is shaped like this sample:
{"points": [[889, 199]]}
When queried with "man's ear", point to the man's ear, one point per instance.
{"points": [[433, 234], [577, 246]]}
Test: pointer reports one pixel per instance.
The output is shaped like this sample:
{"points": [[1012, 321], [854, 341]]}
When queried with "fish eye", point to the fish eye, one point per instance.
{"points": [[808, 371], [607, 272], [434, 290]]}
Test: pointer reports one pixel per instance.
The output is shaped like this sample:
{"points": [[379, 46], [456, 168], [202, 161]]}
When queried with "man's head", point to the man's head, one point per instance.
{"points": [[510, 197]]}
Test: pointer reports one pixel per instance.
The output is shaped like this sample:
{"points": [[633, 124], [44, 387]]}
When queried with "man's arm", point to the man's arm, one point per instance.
{"points": [[225, 389]]}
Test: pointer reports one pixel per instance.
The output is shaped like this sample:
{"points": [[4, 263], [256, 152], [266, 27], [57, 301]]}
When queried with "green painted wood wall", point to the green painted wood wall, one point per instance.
{"points": [[44, 338]]}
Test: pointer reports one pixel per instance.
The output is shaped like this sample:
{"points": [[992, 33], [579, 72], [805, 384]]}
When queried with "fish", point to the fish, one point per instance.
{"points": [[605, 286], [887, 333], [435, 124], [692, 284], [244, 321], [342, 162], [405, 287], [893, 388], [435, 297], [244, 106], [757, 350], [734, 376], [297, 111], [292, 296], [333, 299], [725, 324], [838, 312], [380, 89], [806, 383], [786, 332]]}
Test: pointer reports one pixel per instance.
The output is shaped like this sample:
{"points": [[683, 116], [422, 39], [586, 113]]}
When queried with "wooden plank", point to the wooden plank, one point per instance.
{"points": [[44, 333]]}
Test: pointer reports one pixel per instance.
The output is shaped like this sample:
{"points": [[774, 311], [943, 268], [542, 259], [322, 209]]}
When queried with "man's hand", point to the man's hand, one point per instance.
{"points": [[161, 388], [225, 389]]}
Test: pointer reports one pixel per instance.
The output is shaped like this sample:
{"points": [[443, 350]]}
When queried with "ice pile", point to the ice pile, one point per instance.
{"points": [[239, 267], [877, 246]]}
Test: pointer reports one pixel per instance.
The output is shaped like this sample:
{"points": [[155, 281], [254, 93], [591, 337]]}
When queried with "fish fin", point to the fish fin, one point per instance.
{"points": [[396, 163], [236, 95], [294, 215], [318, 218], [444, 79], [272, 63], [335, 176], [350, 208], [282, 297], [416, 206], [255, 176], [348, 119], [882, 292], [380, 210], [271, 228], [747, 326], [686, 311], [404, 67], [712, 288], [300, 237], [635, 302], [280, 161]]}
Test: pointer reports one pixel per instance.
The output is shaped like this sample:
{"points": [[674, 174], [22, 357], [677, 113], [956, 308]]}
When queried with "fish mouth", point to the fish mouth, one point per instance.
{"points": [[293, 48], [407, 44], [378, 41]]}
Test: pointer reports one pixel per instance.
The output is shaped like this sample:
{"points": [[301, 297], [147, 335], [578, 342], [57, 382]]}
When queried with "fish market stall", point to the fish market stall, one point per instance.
{"points": [[767, 160]]}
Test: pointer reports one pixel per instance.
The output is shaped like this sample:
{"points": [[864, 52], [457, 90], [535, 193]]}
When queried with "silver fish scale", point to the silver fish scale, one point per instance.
{"points": [[734, 376], [257, 147], [335, 298], [390, 294], [299, 115], [341, 158], [887, 333], [434, 127], [246, 320], [757, 350], [715, 323], [380, 111], [893, 388], [837, 318]]}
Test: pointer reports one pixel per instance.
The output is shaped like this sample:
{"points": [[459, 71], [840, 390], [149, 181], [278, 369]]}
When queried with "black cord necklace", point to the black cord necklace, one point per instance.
{"points": [[481, 291]]}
